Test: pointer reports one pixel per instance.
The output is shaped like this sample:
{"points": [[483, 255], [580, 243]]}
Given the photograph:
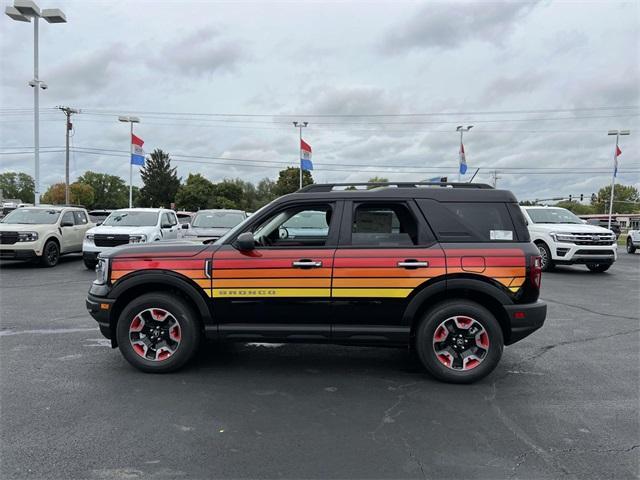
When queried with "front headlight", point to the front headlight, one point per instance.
{"points": [[562, 237], [27, 236], [102, 271], [89, 236], [137, 238]]}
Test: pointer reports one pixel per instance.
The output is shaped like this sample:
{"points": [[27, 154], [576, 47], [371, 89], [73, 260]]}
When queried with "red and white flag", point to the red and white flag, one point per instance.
{"points": [[305, 156]]}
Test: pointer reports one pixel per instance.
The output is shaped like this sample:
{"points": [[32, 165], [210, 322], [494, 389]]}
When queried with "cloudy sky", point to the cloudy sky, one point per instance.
{"points": [[382, 84]]}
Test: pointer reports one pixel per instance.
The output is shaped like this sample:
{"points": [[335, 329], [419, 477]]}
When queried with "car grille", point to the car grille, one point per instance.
{"points": [[104, 240], [590, 238], [8, 238], [600, 253]]}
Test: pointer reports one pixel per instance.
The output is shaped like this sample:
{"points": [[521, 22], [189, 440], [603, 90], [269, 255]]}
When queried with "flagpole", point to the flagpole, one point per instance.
{"points": [[130, 171], [460, 157], [617, 133], [299, 155]]}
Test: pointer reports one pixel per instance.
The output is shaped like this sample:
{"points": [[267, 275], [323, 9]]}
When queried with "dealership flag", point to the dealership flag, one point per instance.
{"points": [[305, 156], [463, 160], [137, 153], [615, 161]]}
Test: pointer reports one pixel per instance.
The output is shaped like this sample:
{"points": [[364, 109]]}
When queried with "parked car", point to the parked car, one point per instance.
{"points": [[212, 224], [633, 241], [129, 226], [185, 217], [450, 272], [564, 239], [604, 223], [98, 216], [42, 234]]}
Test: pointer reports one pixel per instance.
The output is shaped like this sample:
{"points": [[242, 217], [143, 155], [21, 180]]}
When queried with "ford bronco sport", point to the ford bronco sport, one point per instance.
{"points": [[446, 269]]}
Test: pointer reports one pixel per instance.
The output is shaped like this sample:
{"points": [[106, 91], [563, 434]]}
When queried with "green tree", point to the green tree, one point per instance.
{"points": [[110, 191], [626, 199], [17, 185], [265, 192], [227, 194], [528, 203], [248, 200], [161, 183], [195, 193], [79, 194], [576, 207], [289, 180], [378, 180]]}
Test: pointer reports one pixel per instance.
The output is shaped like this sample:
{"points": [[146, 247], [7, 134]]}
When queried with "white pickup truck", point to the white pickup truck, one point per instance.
{"points": [[564, 239], [129, 225], [633, 241]]}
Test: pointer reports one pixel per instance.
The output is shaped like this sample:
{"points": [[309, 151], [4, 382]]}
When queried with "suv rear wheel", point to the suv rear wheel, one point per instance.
{"points": [[459, 341], [158, 332], [90, 264]]}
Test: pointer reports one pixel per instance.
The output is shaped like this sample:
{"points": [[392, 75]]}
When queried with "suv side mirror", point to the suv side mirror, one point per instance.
{"points": [[66, 224], [185, 226], [245, 241]]}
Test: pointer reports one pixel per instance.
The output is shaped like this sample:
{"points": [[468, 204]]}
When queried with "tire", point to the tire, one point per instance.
{"points": [[175, 349], [545, 256], [50, 254], [90, 264], [598, 267], [630, 247], [469, 316]]}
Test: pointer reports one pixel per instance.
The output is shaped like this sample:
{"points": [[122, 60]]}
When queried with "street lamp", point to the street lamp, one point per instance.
{"points": [[24, 11], [130, 120], [617, 133], [463, 161]]}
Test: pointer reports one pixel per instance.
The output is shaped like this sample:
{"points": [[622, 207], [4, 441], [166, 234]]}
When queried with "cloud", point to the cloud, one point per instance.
{"points": [[199, 53], [511, 85], [451, 24]]}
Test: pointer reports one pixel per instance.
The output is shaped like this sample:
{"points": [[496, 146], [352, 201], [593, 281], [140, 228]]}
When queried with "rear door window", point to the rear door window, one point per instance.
{"points": [[469, 222]]}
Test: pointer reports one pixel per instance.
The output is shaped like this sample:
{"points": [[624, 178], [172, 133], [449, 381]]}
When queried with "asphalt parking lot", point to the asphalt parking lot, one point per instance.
{"points": [[562, 403]]}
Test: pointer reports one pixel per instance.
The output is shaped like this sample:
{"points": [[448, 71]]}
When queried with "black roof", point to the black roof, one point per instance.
{"points": [[445, 192]]}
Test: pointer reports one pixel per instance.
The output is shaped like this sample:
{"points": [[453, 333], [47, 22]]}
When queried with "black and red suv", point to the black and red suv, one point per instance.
{"points": [[446, 269]]}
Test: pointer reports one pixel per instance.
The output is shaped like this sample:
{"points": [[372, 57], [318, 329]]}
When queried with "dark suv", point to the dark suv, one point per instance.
{"points": [[445, 269]]}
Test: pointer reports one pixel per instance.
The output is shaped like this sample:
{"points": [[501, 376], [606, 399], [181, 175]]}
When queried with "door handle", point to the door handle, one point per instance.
{"points": [[411, 263], [304, 263]]}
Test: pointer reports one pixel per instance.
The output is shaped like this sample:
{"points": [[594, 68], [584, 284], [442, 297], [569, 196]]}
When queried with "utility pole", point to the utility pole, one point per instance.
{"points": [[68, 111], [496, 177], [300, 126], [616, 152], [462, 157], [131, 120]]}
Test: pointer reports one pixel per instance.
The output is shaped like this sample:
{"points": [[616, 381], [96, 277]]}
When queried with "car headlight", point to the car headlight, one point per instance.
{"points": [[561, 237], [89, 236], [27, 236], [137, 238], [102, 271]]}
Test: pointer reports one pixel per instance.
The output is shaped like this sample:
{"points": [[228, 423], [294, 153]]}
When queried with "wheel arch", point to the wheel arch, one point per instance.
{"points": [[139, 283], [475, 288]]}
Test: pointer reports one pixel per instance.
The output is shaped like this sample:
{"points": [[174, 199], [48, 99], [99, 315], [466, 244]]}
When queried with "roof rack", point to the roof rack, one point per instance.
{"points": [[328, 187]]}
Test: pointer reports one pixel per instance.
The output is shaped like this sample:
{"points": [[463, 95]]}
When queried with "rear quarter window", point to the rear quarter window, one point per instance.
{"points": [[471, 222]]}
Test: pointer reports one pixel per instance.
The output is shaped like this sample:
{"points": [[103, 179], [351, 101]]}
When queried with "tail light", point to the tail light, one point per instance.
{"points": [[535, 271]]}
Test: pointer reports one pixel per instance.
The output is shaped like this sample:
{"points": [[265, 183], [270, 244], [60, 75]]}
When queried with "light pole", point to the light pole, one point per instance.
{"points": [[616, 152], [463, 160], [130, 121], [300, 125], [24, 11]]}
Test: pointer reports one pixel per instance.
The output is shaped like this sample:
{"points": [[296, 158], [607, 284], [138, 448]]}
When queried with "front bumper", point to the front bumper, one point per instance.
{"points": [[17, 254], [525, 319], [100, 309], [570, 253]]}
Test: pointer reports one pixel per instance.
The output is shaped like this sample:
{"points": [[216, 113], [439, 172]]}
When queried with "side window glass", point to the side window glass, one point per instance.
{"points": [[296, 227], [81, 218], [172, 219], [67, 217], [388, 225], [165, 219]]}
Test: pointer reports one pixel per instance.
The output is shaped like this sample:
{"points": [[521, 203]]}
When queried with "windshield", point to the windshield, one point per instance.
{"points": [[32, 216], [129, 218], [217, 219], [552, 215]]}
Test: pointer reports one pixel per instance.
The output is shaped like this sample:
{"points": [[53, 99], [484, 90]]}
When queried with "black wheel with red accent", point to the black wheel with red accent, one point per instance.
{"points": [[158, 332], [459, 341]]}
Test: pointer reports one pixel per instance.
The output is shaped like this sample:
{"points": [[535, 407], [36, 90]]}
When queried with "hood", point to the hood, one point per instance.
{"points": [[568, 227], [109, 230], [19, 227], [205, 232], [162, 249]]}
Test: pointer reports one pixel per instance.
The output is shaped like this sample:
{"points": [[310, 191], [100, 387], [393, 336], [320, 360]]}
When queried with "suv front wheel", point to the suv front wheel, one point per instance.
{"points": [[158, 332], [545, 257], [630, 246], [459, 341]]}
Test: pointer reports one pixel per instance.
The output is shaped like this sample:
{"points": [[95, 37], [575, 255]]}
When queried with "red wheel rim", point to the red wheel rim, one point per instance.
{"points": [[460, 343], [155, 334]]}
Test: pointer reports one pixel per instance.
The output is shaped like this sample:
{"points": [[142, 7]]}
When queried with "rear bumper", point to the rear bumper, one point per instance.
{"points": [[525, 319], [100, 309]]}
